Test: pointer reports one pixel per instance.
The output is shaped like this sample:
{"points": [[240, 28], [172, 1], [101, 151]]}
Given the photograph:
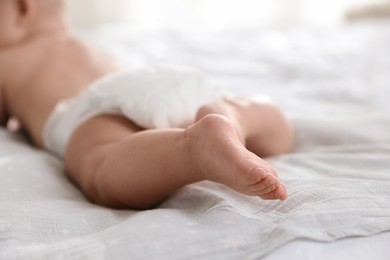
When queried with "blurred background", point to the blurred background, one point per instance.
{"points": [[222, 14], [325, 46]]}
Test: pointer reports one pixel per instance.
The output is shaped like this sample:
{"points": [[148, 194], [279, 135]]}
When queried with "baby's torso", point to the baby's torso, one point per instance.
{"points": [[44, 71]]}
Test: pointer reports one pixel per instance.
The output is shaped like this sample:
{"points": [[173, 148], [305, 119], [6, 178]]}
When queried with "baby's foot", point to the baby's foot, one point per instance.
{"points": [[219, 156], [261, 126], [224, 108]]}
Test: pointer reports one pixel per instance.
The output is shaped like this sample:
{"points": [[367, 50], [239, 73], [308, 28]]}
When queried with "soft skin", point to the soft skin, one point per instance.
{"points": [[42, 63]]}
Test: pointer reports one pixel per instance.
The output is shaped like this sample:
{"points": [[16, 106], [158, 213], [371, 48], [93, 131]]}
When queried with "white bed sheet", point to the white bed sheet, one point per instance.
{"points": [[335, 88]]}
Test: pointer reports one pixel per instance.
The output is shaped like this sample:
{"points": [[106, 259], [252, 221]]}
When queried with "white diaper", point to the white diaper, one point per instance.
{"points": [[152, 97]]}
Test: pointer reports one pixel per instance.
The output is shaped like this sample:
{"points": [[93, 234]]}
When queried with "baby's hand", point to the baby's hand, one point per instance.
{"points": [[13, 124]]}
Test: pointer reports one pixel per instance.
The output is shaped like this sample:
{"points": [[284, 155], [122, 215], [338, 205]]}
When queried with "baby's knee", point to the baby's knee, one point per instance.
{"points": [[211, 108]]}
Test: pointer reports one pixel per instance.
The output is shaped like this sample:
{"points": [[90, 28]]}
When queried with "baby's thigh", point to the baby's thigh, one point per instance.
{"points": [[89, 141]]}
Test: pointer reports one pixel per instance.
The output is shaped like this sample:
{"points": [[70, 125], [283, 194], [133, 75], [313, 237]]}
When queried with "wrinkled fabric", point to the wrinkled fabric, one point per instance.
{"points": [[335, 90]]}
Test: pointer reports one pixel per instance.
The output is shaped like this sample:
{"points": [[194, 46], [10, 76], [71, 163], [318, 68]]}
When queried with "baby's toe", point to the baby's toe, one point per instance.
{"points": [[279, 193], [265, 186], [257, 175], [267, 189]]}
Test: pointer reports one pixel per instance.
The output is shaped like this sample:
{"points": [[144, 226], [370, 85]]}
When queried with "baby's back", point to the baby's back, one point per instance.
{"points": [[44, 70]]}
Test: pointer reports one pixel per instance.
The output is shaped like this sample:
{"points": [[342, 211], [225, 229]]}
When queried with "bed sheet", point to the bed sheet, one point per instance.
{"points": [[334, 86]]}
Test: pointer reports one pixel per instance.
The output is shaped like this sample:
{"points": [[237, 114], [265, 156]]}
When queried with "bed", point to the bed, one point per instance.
{"points": [[334, 85]]}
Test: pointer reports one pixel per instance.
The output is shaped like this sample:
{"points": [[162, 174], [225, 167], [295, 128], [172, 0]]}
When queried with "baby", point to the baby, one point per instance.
{"points": [[80, 104]]}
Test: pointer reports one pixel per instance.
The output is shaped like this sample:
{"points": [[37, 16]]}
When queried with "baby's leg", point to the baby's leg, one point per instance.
{"points": [[123, 166], [261, 126]]}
